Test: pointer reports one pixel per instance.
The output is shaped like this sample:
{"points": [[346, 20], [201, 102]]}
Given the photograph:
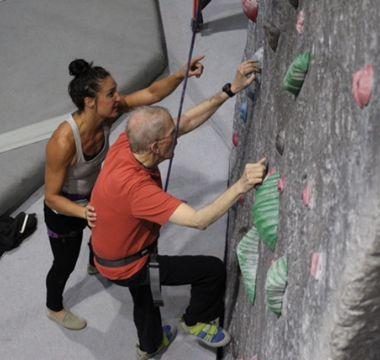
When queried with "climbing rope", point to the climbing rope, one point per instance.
{"points": [[194, 27]]}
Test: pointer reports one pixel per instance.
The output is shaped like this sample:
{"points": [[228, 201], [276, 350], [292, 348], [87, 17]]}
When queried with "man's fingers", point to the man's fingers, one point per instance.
{"points": [[250, 79], [262, 161], [250, 69]]}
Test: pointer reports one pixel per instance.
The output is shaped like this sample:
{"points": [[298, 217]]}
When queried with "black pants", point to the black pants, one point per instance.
{"points": [[65, 250], [206, 274]]}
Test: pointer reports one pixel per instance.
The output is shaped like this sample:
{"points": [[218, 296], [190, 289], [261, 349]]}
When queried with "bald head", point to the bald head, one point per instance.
{"points": [[145, 125]]}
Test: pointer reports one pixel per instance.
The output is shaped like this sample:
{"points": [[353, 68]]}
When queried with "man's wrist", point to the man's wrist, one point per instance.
{"points": [[227, 89], [239, 189], [234, 89]]}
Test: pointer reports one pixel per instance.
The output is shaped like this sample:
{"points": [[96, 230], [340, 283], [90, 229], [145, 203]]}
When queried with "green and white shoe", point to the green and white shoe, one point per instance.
{"points": [[209, 334], [169, 334]]}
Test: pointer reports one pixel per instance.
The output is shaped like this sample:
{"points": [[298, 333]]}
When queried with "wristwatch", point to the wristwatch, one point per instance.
{"points": [[227, 89]]}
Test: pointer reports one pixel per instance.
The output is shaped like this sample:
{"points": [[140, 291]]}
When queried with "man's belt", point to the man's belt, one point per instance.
{"points": [[154, 269]]}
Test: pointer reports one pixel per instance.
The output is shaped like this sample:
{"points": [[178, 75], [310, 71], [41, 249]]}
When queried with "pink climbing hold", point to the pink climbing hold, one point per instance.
{"points": [[281, 184], [235, 139], [251, 9], [362, 82], [306, 196], [272, 171], [300, 22], [316, 265]]}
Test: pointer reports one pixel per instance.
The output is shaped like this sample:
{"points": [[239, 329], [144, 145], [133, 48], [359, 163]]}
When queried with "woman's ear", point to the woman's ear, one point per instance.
{"points": [[89, 102]]}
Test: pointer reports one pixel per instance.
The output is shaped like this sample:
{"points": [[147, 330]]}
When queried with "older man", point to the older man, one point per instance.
{"points": [[131, 207]]}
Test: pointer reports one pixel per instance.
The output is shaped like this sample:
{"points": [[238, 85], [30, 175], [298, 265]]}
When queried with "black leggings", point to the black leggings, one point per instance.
{"points": [[206, 274], [204, 3], [65, 250]]}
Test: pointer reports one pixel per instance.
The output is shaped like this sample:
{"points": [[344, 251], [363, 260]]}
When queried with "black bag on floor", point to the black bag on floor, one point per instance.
{"points": [[14, 230]]}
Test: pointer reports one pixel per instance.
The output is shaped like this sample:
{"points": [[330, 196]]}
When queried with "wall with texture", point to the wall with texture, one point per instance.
{"points": [[333, 146]]}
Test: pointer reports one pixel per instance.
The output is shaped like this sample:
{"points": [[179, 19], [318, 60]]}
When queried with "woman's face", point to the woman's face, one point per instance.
{"points": [[108, 99]]}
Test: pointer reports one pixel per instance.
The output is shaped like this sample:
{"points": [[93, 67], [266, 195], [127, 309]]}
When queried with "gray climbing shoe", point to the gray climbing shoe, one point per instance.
{"points": [[69, 321]]}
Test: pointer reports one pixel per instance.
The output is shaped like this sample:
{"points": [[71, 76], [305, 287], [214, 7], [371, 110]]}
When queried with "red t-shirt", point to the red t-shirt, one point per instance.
{"points": [[130, 206]]}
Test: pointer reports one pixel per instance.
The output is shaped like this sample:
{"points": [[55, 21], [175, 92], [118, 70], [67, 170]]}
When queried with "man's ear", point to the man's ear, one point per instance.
{"points": [[90, 102], [154, 148]]}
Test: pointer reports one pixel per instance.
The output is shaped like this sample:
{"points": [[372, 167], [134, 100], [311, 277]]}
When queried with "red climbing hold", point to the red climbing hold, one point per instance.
{"points": [[241, 200], [300, 22], [272, 171], [281, 184], [306, 196], [316, 265], [235, 139], [251, 9], [362, 85]]}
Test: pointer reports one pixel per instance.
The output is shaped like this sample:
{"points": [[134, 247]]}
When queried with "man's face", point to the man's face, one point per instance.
{"points": [[165, 143]]}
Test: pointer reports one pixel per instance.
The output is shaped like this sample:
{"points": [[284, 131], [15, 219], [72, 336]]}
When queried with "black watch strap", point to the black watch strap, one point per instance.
{"points": [[227, 89]]}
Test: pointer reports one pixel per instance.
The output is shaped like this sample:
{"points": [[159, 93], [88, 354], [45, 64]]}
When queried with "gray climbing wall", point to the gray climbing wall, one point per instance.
{"points": [[332, 146]]}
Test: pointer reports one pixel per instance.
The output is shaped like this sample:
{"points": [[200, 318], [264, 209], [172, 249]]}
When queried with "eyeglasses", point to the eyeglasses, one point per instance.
{"points": [[171, 136]]}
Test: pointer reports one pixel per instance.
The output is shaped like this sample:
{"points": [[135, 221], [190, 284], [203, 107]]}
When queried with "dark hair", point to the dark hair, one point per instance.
{"points": [[86, 81]]}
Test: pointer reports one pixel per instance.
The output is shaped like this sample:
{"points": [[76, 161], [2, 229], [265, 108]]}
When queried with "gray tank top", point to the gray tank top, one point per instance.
{"points": [[81, 177]]}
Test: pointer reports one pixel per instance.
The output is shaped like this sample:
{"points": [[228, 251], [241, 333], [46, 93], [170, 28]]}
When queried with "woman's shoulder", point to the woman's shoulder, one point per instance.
{"points": [[62, 140]]}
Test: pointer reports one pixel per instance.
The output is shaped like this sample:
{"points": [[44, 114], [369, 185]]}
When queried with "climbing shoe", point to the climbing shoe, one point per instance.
{"points": [[69, 321], [92, 270], [169, 334], [209, 334]]}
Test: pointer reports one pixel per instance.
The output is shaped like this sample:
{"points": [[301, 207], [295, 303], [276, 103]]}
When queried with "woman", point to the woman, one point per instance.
{"points": [[73, 159]]}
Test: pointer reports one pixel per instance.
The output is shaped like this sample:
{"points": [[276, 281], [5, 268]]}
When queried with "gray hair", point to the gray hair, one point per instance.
{"points": [[145, 125]]}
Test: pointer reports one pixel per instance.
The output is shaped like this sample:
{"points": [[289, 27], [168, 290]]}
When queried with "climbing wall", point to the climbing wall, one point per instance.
{"points": [[307, 287]]}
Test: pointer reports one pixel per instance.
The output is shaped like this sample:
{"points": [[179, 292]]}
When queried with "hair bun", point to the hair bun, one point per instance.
{"points": [[78, 67]]}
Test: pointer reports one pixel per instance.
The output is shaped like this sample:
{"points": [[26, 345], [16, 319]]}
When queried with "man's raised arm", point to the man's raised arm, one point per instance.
{"points": [[197, 115], [185, 215]]}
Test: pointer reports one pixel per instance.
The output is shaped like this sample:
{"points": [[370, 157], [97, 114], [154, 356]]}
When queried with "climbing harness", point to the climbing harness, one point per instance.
{"points": [[153, 267]]}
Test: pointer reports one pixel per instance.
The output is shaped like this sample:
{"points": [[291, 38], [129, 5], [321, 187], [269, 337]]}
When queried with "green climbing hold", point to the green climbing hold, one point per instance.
{"points": [[296, 73], [266, 210], [275, 285], [248, 256]]}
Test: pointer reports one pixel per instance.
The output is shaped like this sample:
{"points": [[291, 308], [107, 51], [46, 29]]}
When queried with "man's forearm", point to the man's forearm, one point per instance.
{"points": [[185, 215], [212, 212], [197, 115]]}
